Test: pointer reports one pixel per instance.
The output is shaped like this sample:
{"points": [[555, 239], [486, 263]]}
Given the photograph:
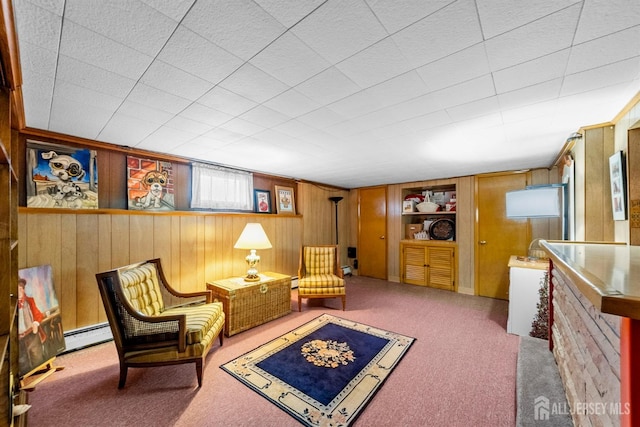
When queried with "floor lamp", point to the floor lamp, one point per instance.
{"points": [[336, 199]]}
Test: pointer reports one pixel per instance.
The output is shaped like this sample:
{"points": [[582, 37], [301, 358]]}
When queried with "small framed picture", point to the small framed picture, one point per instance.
{"points": [[285, 202], [618, 180], [262, 201]]}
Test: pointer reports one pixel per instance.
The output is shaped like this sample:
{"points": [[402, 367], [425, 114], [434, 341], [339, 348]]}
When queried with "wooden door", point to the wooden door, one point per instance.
{"points": [[414, 264], [497, 237], [372, 232], [441, 270]]}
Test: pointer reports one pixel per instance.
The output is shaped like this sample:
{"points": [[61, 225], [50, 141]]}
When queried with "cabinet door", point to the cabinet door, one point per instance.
{"points": [[441, 271], [415, 270]]}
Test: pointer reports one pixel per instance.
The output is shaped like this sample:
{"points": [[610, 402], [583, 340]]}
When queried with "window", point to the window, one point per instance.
{"points": [[215, 187]]}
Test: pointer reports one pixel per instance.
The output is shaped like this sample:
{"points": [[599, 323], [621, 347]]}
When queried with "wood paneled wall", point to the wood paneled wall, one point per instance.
{"points": [[594, 217], [194, 248]]}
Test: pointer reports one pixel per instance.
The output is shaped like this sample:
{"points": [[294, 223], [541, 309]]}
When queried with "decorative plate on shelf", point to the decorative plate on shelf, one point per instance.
{"points": [[442, 229]]}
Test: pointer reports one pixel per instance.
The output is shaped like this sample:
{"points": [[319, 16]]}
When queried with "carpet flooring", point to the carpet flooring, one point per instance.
{"points": [[539, 387], [460, 371], [323, 372]]}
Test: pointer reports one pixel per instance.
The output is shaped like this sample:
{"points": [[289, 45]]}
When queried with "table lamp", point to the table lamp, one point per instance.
{"points": [[253, 237]]}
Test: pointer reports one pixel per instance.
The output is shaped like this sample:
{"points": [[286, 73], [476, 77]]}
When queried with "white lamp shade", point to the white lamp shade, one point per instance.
{"points": [[544, 202], [253, 237]]}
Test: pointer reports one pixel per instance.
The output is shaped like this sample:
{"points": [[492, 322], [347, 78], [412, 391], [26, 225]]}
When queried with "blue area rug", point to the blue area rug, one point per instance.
{"points": [[325, 371]]}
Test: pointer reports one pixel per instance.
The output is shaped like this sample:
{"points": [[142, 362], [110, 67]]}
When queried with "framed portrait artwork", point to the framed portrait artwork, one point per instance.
{"points": [[285, 202], [150, 184], [618, 183], [262, 201], [60, 176], [39, 322]]}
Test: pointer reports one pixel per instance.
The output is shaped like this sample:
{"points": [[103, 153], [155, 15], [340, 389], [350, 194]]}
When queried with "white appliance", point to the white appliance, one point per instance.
{"points": [[525, 279]]}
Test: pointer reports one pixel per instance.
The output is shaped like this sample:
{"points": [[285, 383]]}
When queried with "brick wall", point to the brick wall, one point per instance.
{"points": [[587, 351]]}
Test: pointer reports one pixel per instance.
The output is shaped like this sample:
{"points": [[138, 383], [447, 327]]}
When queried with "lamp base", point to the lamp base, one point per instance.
{"points": [[252, 278]]}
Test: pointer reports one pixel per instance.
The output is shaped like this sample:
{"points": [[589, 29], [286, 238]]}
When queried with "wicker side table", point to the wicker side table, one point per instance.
{"points": [[249, 304]]}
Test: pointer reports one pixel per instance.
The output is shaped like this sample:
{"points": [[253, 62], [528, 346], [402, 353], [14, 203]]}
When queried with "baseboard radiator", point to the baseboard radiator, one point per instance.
{"points": [[80, 338], [77, 339]]}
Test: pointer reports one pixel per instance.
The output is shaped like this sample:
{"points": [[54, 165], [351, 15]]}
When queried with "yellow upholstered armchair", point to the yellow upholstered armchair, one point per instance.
{"points": [[146, 330], [319, 274]]}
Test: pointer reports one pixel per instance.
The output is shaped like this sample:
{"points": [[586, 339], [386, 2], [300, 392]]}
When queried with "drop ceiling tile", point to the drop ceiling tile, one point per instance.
{"points": [[604, 50], [396, 15], [175, 81], [240, 27], [601, 77], [185, 124], [53, 6], [226, 101], [241, 127], [144, 112], [65, 113], [435, 37], [321, 118], [289, 12], [291, 103], [205, 142], [102, 52], [531, 95], [530, 112], [131, 23], [470, 91], [126, 130], [165, 139], [539, 38], [37, 98], [92, 77], [355, 105], [276, 138], [289, 60], [204, 114], [548, 67], [223, 135], [157, 99], [265, 116], [37, 60], [484, 108], [375, 64], [74, 93], [456, 68], [501, 16], [398, 89], [191, 150], [196, 55], [598, 19], [254, 84], [328, 86], [424, 104], [295, 128], [340, 29], [175, 9], [41, 28]]}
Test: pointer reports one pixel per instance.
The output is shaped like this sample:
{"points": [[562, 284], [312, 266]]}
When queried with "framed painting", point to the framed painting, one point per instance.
{"points": [[618, 179], [262, 201], [150, 185], [40, 335], [59, 176], [285, 201]]}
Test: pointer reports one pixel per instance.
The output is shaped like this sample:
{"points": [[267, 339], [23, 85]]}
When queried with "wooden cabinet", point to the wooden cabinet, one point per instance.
{"points": [[428, 263]]}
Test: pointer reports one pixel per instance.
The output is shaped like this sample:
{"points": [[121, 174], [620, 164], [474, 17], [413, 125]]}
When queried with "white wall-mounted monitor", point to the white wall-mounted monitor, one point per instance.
{"points": [[537, 202]]}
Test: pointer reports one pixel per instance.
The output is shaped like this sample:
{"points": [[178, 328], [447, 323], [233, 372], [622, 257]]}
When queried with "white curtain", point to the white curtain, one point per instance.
{"points": [[215, 187]]}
